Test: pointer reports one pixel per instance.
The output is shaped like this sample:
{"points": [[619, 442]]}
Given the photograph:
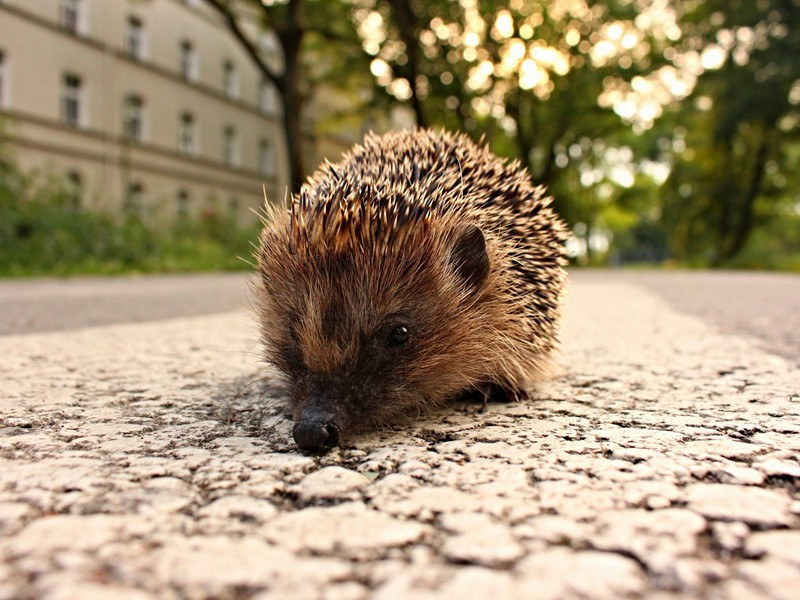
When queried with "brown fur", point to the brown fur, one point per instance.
{"points": [[369, 244]]}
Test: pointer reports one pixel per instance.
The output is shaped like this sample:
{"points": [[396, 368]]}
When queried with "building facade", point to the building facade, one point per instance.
{"points": [[148, 106]]}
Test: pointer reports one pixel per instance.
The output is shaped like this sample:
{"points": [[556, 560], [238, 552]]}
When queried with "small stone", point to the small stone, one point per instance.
{"points": [[461, 522], [350, 526], [12, 516], [349, 590], [781, 468], [331, 483], [727, 502], [93, 591], [783, 545], [214, 566], [561, 573], [724, 447], [489, 545], [774, 578], [552, 529], [240, 507], [738, 475], [658, 502], [730, 536], [414, 468], [653, 536], [477, 582], [66, 532]]}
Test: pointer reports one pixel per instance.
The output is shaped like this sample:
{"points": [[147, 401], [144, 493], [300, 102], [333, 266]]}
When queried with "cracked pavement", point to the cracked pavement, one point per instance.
{"points": [[152, 460]]}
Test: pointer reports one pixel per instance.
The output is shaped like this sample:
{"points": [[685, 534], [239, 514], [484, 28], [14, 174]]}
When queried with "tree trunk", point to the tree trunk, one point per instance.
{"points": [[524, 142], [744, 224], [406, 21], [287, 82], [725, 198], [291, 38], [293, 132]]}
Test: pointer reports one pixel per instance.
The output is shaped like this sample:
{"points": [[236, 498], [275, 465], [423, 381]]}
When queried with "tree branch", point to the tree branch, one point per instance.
{"points": [[223, 8]]}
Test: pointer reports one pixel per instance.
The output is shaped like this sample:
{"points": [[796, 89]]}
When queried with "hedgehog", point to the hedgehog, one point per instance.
{"points": [[419, 269]]}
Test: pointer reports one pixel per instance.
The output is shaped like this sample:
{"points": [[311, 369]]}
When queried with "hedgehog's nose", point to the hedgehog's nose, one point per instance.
{"points": [[316, 435]]}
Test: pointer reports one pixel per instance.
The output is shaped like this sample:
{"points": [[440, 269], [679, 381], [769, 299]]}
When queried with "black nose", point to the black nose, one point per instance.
{"points": [[315, 435]]}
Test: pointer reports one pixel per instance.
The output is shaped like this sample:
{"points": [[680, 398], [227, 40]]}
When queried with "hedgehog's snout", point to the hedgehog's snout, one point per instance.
{"points": [[316, 430]]}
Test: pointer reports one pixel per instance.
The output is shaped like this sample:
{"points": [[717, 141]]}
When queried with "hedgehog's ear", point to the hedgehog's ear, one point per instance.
{"points": [[469, 256]]}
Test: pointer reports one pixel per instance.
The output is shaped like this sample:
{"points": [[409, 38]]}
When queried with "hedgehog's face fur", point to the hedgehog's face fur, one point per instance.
{"points": [[364, 332], [418, 268]]}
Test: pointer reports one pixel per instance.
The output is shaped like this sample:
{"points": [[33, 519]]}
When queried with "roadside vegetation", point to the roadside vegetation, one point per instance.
{"points": [[44, 232], [667, 131]]}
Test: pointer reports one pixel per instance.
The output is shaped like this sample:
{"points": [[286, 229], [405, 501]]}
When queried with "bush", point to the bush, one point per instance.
{"points": [[42, 233]]}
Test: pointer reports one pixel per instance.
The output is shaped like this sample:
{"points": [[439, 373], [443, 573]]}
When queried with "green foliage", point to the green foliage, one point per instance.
{"points": [[727, 137], [41, 233], [737, 175]]}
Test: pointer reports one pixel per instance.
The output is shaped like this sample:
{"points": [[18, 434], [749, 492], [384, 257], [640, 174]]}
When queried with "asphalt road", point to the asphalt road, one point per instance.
{"points": [[37, 305], [765, 306], [155, 460]]}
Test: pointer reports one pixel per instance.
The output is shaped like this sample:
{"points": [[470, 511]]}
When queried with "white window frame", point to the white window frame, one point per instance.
{"points": [[187, 144], [267, 97], [135, 38], [74, 189], [72, 98], [133, 118], [230, 146], [182, 201], [234, 208], [230, 79], [72, 16], [189, 62], [134, 199], [266, 158], [4, 95]]}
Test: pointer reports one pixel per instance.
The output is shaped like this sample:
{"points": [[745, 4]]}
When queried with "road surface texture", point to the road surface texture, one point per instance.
{"points": [[765, 306], [136, 462], [28, 306]]}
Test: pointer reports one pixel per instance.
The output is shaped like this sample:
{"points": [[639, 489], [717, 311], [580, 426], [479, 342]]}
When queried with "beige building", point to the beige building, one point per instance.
{"points": [[143, 105]]}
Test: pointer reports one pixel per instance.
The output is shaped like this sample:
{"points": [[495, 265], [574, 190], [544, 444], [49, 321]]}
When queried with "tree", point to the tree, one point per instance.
{"points": [[295, 23], [530, 77], [741, 122]]}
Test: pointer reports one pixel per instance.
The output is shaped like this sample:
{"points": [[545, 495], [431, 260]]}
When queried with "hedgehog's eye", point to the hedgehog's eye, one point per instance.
{"points": [[399, 336]]}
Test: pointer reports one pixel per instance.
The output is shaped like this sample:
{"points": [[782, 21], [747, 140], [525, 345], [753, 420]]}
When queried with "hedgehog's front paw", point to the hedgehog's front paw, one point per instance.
{"points": [[506, 393], [495, 392]]}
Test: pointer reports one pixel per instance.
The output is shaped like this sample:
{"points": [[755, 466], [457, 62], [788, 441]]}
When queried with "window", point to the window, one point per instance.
{"points": [[69, 15], [134, 200], [266, 160], [74, 190], [182, 206], [187, 137], [233, 209], [267, 43], [71, 100], [3, 79], [230, 150], [132, 118], [188, 64], [134, 38], [230, 82], [267, 98]]}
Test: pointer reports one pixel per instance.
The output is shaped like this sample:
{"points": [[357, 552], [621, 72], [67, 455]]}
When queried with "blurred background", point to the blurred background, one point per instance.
{"points": [[141, 135]]}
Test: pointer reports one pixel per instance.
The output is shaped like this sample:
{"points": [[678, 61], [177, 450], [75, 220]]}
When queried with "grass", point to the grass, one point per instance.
{"points": [[41, 233]]}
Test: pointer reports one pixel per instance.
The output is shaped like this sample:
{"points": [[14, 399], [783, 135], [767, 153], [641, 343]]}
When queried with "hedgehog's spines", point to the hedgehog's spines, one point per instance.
{"points": [[402, 195]]}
